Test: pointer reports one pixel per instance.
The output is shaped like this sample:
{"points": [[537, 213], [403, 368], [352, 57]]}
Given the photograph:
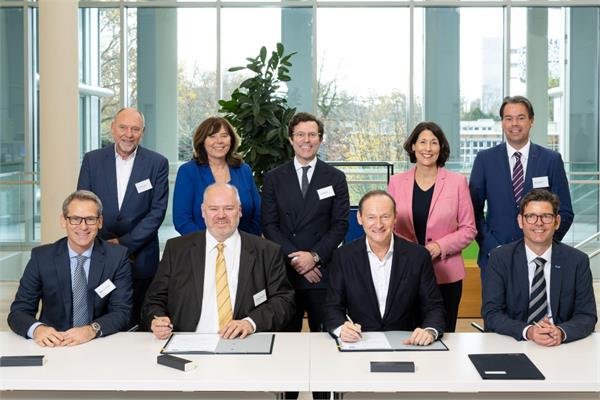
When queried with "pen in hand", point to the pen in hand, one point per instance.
{"points": [[352, 322], [160, 318]]}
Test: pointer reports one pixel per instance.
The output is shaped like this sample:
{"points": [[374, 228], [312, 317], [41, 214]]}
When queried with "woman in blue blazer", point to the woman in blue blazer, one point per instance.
{"points": [[215, 160]]}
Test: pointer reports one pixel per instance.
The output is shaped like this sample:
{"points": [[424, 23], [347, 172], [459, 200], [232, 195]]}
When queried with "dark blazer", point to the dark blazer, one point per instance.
{"points": [[491, 180], [136, 224], [309, 224], [176, 290], [506, 291], [47, 277], [413, 298]]}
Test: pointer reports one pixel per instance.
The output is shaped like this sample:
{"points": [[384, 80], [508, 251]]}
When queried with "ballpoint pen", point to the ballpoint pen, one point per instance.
{"points": [[352, 322]]}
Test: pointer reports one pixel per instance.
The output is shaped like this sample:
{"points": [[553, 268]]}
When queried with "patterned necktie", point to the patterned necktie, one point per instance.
{"points": [[538, 306], [304, 186], [80, 301], [517, 178], [223, 300]]}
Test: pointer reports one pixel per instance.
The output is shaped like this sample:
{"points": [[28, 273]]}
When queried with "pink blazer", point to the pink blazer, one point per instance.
{"points": [[451, 222]]}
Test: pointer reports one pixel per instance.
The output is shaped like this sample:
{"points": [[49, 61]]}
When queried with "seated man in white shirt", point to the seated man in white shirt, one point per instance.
{"points": [[219, 280], [536, 289], [382, 281]]}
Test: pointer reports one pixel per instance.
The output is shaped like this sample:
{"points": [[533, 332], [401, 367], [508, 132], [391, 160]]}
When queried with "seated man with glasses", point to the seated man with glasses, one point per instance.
{"points": [[84, 282], [536, 289]]}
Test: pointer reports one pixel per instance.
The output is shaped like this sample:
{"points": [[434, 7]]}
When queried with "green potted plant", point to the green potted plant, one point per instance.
{"points": [[259, 112]]}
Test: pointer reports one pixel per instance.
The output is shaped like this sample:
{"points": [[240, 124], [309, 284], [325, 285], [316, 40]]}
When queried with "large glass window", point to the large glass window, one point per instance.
{"points": [[362, 87]]}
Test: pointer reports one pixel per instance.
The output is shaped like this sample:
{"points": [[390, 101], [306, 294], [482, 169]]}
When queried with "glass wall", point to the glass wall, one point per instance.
{"points": [[371, 72]]}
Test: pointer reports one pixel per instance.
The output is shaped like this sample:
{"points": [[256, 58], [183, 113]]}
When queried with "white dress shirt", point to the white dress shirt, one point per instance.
{"points": [[381, 270], [531, 272], [124, 168], [309, 173], [209, 318], [512, 160]]}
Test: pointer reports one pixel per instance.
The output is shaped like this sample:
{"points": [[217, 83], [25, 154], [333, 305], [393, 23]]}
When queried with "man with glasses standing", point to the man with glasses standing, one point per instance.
{"points": [[132, 182], [536, 289], [305, 208], [84, 283], [503, 174]]}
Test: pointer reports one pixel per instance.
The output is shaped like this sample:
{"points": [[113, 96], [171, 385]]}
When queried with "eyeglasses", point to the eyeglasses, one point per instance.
{"points": [[533, 218], [78, 220], [302, 135]]}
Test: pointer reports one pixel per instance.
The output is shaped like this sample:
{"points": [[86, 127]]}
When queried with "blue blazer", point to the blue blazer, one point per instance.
{"points": [[47, 277], [309, 224], [506, 291], [136, 224], [491, 181], [192, 180]]}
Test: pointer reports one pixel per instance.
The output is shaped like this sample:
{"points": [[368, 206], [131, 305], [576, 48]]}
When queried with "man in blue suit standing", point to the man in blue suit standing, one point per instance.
{"points": [[536, 289], [502, 174], [84, 283], [132, 182]]}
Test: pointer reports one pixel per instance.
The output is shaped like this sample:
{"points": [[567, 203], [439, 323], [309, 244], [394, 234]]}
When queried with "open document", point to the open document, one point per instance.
{"points": [[387, 341], [212, 343]]}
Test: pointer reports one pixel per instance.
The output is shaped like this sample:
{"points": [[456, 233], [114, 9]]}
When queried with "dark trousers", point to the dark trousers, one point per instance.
{"points": [[140, 286], [311, 301], [451, 293]]}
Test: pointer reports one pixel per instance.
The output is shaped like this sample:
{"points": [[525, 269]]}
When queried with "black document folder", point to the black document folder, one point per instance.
{"points": [[505, 366]]}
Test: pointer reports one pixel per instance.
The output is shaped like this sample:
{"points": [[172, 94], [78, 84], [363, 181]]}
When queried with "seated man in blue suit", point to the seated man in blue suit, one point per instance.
{"points": [[502, 174], [132, 182], [536, 289], [382, 281], [84, 283]]}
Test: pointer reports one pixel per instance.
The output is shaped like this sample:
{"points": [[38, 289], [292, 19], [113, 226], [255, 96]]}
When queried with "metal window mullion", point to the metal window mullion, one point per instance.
{"points": [[411, 70], [219, 77], [123, 58], [315, 80], [507, 45]]}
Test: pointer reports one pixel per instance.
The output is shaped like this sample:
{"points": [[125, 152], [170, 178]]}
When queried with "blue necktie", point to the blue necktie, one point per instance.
{"points": [[304, 186], [538, 306], [80, 301]]}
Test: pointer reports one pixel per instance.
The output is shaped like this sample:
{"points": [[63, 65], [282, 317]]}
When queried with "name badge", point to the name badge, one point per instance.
{"points": [[260, 298], [325, 192], [144, 185], [540, 182], [105, 288]]}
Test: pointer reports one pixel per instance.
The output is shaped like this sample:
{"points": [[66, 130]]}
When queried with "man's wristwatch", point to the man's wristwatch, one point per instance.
{"points": [[315, 257], [96, 328]]}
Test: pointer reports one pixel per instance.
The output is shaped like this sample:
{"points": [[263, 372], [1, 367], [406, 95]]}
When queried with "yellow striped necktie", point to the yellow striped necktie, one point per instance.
{"points": [[223, 300]]}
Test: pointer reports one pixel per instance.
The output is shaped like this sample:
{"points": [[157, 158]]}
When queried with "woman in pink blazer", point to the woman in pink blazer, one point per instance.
{"points": [[434, 209]]}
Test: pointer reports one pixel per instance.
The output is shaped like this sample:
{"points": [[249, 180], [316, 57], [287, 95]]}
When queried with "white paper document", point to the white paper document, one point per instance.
{"points": [[369, 341], [192, 343]]}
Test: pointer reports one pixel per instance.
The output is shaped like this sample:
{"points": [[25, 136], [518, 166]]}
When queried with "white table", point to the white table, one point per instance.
{"points": [[572, 370], [124, 366]]}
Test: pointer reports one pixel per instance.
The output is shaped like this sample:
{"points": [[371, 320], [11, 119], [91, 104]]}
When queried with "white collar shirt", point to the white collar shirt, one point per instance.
{"points": [[124, 168], [310, 171], [547, 267], [381, 271], [524, 156], [209, 319]]}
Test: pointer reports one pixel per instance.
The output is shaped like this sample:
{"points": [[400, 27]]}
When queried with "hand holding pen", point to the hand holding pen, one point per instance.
{"points": [[350, 332], [161, 327]]}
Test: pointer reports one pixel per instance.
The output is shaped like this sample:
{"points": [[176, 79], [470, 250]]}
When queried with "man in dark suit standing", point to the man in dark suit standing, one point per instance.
{"points": [[503, 174], [84, 283], [132, 182], [536, 289], [305, 206], [221, 279], [383, 282]]}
